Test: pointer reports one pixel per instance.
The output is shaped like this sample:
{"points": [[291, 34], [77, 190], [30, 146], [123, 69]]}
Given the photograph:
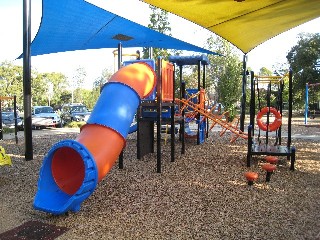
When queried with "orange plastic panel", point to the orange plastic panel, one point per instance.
{"points": [[105, 145], [202, 98], [140, 76], [167, 81]]}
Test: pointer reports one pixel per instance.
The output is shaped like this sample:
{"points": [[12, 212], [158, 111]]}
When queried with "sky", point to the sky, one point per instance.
{"points": [[94, 61]]}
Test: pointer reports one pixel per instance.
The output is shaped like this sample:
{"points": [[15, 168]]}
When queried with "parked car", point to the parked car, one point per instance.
{"points": [[74, 112], [8, 120], [45, 116]]}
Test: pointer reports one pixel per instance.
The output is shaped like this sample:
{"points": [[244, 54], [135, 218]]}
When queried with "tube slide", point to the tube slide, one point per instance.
{"points": [[72, 168]]}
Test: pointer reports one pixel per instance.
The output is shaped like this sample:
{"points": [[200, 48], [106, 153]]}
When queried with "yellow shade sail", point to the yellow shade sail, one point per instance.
{"points": [[244, 23]]}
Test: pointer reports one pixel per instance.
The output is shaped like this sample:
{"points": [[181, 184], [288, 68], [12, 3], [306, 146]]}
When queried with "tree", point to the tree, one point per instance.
{"points": [[302, 59], [76, 84], [11, 81], [158, 22], [90, 97], [225, 73], [265, 72], [59, 84]]}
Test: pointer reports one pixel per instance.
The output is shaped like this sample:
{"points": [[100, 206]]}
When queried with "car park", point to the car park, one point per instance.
{"points": [[45, 116], [74, 112]]}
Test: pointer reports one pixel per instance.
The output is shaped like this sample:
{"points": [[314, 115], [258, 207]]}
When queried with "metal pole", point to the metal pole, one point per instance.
{"points": [[121, 156], [199, 115], [159, 114], [119, 55], [306, 105], [243, 99], [27, 79], [182, 129], [252, 103], [173, 128], [290, 109], [15, 118]]}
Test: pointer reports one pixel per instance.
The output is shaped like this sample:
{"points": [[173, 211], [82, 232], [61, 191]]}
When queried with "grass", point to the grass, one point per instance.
{"points": [[7, 130], [75, 124]]}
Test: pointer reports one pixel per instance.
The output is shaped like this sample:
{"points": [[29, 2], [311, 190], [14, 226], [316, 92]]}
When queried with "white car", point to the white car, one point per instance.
{"points": [[44, 116]]}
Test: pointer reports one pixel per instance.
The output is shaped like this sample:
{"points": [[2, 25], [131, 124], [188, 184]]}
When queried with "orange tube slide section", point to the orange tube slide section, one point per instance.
{"points": [[104, 143]]}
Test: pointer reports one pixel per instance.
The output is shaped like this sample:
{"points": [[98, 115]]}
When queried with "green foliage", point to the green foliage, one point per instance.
{"points": [[76, 84], [11, 83], [265, 72], [302, 59], [100, 81], [225, 73], [40, 84], [75, 124], [7, 130], [158, 22]]}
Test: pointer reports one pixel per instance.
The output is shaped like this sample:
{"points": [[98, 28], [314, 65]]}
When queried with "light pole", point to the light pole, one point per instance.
{"points": [[50, 92]]}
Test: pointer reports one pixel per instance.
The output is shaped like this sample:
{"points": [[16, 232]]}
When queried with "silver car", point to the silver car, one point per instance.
{"points": [[45, 116]]}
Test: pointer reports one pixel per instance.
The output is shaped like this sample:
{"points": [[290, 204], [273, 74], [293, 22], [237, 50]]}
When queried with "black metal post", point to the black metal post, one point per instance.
{"points": [[268, 176], [290, 119], [121, 156], [121, 160], [173, 128], [199, 75], [15, 118], [27, 79], [159, 113], [243, 99], [249, 146], [119, 55], [252, 102], [280, 109], [182, 129], [180, 96], [268, 113], [204, 76], [290, 109], [138, 133], [293, 158], [204, 86]]}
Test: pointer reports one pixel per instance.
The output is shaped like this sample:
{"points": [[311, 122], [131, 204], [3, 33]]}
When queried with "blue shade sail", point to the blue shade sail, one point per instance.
{"points": [[69, 25]]}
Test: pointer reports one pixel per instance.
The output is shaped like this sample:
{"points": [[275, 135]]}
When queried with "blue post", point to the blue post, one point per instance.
{"points": [[306, 105]]}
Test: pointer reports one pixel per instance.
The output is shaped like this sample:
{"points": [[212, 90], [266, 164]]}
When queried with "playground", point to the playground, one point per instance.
{"points": [[154, 160], [202, 195]]}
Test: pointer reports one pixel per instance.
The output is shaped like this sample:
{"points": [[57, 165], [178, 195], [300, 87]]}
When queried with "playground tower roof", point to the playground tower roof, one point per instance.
{"points": [[77, 25], [244, 23]]}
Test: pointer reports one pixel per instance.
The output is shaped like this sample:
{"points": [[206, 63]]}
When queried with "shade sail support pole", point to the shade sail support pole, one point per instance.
{"points": [[27, 79], [243, 99]]}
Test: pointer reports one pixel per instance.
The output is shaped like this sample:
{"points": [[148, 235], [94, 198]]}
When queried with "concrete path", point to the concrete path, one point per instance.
{"points": [[42, 132]]}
